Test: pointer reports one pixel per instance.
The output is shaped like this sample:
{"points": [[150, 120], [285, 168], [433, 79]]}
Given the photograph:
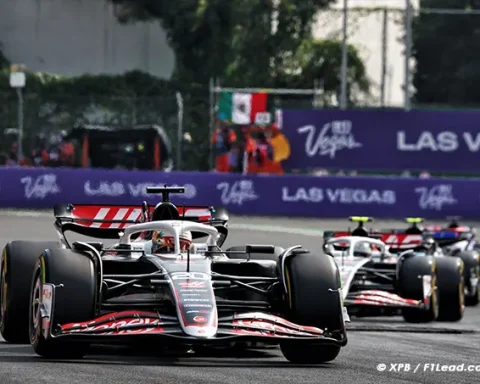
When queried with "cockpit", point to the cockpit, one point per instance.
{"points": [[354, 246], [163, 243], [171, 236]]}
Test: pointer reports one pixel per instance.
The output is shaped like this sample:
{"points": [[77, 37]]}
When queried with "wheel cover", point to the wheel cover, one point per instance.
{"points": [[35, 310]]}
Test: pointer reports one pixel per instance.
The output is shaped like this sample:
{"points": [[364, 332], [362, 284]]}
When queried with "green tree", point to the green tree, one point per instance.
{"points": [[3, 60], [199, 31], [321, 59], [248, 42], [445, 47]]}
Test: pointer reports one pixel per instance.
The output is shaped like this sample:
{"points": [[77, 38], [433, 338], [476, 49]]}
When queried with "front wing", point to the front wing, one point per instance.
{"points": [[255, 326], [378, 298], [382, 299]]}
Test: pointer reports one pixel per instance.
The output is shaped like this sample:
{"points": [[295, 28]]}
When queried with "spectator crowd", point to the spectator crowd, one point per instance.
{"points": [[249, 149], [52, 151]]}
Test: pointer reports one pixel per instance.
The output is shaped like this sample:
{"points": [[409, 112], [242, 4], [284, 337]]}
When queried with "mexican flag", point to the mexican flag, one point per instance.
{"points": [[241, 108]]}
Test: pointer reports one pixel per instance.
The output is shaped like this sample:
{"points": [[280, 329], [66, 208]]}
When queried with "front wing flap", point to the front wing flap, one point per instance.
{"points": [[251, 326], [255, 325], [378, 298]]}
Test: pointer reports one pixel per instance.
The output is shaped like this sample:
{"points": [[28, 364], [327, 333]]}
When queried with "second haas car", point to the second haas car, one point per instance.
{"points": [[397, 273], [460, 241]]}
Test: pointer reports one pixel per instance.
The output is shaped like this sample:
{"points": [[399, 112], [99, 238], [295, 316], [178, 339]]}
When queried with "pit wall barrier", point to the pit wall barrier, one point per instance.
{"points": [[263, 195]]}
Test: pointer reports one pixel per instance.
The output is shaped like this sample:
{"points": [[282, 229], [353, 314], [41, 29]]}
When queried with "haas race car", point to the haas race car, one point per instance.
{"points": [[404, 273], [158, 286], [456, 240]]}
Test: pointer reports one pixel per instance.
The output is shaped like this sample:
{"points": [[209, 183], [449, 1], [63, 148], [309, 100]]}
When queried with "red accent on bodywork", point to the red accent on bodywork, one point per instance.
{"points": [[270, 325], [193, 284], [382, 298], [401, 240], [281, 321], [138, 322], [118, 324]]}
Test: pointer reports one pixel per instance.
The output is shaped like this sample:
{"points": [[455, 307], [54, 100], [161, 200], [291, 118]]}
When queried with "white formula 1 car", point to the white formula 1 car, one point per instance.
{"points": [[379, 279]]}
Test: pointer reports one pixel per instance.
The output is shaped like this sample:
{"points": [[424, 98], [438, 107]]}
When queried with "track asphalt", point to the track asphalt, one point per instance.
{"points": [[372, 342]]}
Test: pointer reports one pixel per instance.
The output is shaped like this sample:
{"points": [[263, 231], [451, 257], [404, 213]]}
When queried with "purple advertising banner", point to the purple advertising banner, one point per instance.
{"points": [[443, 141], [304, 196]]}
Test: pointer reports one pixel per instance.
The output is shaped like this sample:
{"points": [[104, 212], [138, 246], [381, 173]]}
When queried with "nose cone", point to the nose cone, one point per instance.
{"points": [[201, 331], [196, 304]]}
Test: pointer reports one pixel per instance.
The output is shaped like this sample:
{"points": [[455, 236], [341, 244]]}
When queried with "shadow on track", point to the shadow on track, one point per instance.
{"points": [[202, 358]]}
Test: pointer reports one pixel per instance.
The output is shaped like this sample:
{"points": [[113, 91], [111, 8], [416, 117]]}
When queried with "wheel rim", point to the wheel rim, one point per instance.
{"points": [[435, 307], [461, 296], [35, 308]]}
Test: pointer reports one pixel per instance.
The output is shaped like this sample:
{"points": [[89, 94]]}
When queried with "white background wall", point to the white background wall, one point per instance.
{"points": [[365, 32], [73, 37]]}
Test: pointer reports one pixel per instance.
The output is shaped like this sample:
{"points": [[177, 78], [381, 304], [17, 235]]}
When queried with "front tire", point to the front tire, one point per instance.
{"points": [[410, 286], [73, 302], [450, 274], [313, 299], [17, 262]]}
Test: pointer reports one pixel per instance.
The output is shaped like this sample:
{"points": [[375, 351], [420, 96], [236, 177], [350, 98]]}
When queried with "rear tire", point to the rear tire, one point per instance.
{"points": [[17, 262], [410, 286], [74, 302], [450, 272], [310, 302], [471, 275], [254, 256]]}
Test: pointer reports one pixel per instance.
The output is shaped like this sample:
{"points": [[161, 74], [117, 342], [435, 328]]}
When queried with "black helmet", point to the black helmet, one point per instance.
{"points": [[427, 245], [165, 211]]}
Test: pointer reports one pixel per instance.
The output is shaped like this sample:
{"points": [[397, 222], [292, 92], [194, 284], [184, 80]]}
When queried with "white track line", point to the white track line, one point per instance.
{"points": [[238, 226]]}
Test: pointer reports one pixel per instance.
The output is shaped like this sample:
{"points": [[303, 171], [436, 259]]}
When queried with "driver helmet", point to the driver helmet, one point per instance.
{"points": [[427, 243], [362, 249], [166, 244]]}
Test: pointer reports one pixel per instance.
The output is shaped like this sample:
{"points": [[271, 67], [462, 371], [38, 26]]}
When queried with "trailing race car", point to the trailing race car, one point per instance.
{"points": [[454, 240], [385, 279], [157, 286]]}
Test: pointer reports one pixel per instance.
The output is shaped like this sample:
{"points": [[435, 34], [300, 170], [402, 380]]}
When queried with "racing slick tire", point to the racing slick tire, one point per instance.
{"points": [[74, 276], [410, 286], [17, 262], [313, 299], [450, 283], [471, 276], [254, 256]]}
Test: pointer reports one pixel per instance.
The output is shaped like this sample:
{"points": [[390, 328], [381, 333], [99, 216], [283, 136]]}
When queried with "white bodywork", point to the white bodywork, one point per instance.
{"points": [[348, 263]]}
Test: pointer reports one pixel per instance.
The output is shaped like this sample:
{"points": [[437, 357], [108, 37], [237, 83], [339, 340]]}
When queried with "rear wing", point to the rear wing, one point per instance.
{"points": [[449, 236], [401, 239], [394, 240], [106, 221], [442, 235]]}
